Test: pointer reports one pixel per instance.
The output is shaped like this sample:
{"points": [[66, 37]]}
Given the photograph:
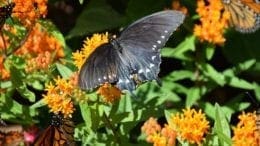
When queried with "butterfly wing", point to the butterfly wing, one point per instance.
{"points": [[59, 133], [100, 67], [245, 15], [140, 45]]}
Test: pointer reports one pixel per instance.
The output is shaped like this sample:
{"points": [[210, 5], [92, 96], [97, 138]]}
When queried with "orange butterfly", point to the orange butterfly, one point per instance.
{"points": [[245, 14], [59, 133]]}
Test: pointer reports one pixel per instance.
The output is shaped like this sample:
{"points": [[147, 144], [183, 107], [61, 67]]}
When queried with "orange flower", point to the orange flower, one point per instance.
{"points": [[213, 21], [245, 133], [191, 125], [4, 74], [58, 97], [30, 10], [109, 93], [165, 136], [40, 41], [177, 6]]}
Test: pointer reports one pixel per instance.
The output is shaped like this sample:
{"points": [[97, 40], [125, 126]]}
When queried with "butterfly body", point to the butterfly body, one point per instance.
{"points": [[134, 56], [244, 14]]}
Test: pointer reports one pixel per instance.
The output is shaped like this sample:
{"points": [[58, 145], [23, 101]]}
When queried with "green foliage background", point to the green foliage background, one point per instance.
{"points": [[193, 74]]}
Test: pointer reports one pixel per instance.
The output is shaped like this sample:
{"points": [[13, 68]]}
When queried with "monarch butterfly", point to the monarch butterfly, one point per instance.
{"points": [[59, 133], [244, 14], [11, 135]]}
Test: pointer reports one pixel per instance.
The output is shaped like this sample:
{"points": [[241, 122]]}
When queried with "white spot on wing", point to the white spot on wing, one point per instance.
{"points": [[127, 81], [159, 42], [154, 46], [153, 57], [151, 65], [162, 36], [166, 31], [120, 81], [104, 77], [147, 70], [99, 79], [140, 71]]}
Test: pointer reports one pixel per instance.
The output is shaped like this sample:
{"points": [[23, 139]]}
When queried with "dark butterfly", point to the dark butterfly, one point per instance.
{"points": [[5, 12], [59, 133], [245, 14], [132, 57]]}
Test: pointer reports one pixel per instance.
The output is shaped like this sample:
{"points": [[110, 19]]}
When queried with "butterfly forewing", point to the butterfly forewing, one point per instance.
{"points": [[244, 14], [142, 41]]}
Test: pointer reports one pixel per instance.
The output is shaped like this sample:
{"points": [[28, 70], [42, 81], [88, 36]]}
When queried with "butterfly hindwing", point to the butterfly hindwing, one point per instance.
{"points": [[100, 67]]}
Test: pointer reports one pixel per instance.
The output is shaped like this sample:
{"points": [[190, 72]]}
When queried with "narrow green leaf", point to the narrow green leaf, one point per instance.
{"points": [[210, 50], [64, 70], [86, 114], [193, 95], [213, 74], [221, 126], [180, 51]]}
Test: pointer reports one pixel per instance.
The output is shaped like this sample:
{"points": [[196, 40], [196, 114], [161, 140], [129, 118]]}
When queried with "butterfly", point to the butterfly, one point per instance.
{"points": [[5, 13], [244, 14], [132, 57], [59, 133], [11, 135]]}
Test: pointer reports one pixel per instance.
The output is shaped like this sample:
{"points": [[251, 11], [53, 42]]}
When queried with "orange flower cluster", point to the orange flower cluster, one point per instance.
{"points": [[245, 133], [59, 97], [213, 21], [42, 61], [40, 41], [165, 136], [191, 125], [4, 74], [109, 93], [30, 10], [41, 47]]}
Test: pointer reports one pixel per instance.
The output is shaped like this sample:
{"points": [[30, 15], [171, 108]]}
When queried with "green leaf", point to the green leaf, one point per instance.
{"points": [[86, 114], [179, 75], [64, 70], [221, 127], [213, 74], [38, 104], [125, 104], [97, 16], [180, 51], [238, 83], [210, 50], [16, 78], [193, 95]]}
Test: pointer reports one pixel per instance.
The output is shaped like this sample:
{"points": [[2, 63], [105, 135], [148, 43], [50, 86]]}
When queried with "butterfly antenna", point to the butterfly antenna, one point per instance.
{"points": [[253, 99]]}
